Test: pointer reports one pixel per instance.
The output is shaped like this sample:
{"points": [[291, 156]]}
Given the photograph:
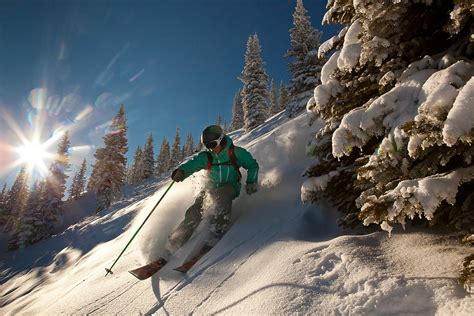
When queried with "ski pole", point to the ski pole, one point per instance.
{"points": [[135, 234]]}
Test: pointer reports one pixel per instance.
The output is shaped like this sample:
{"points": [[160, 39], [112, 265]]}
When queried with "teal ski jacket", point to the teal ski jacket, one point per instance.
{"points": [[222, 171]]}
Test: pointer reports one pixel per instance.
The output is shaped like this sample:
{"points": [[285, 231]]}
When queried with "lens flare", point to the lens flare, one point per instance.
{"points": [[30, 151], [46, 122], [34, 154], [84, 113]]}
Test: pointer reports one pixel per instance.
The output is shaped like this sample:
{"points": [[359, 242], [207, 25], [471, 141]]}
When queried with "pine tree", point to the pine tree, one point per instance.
{"points": [[138, 167], [18, 229], [55, 184], [305, 66], [72, 188], [108, 173], [219, 121], [254, 91], [3, 202], [35, 227], [32, 226], [78, 183], [237, 112], [189, 146], [34, 197], [199, 147], [3, 193], [16, 201], [163, 163], [176, 151], [128, 174], [403, 97], [226, 126], [274, 100], [148, 158], [283, 98]]}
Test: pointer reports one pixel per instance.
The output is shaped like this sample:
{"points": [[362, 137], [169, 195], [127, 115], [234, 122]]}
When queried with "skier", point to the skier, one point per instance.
{"points": [[222, 161]]}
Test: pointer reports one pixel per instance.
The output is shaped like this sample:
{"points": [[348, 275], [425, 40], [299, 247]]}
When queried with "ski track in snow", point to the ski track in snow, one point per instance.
{"points": [[104, 300], [233, 272], [204, 265]]}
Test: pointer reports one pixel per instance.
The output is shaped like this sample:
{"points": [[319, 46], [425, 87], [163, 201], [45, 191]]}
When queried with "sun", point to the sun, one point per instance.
{"points": [[34, 154]]}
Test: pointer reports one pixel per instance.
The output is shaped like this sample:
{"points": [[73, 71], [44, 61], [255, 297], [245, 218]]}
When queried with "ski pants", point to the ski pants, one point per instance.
{"points": [[221, 200]]}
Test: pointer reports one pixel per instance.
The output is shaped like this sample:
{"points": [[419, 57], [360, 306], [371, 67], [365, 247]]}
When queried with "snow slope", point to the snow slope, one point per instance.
{"points": [[279, 257]]}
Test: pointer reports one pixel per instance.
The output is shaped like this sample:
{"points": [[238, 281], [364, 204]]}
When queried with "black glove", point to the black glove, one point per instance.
{"points": [[177, 175], [251, 188]]}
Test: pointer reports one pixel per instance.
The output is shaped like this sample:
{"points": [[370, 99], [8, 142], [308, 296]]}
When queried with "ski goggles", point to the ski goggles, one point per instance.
{"points": [[214, 143]]}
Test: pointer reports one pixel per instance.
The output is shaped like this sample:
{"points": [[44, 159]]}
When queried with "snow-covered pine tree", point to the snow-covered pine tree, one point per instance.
{"points": [[199, 147], [34, 223], [32, 226], [3, 193], [176, 153], [138, 166], [78, 183], [226, 126], [128, 173], [20, 229], [255, 85], [163, 162], [284, 98], [305, 65], [274, 100], [237, 112], [16, 201], [148, 158], [408, 116], [81, 179], [34, 197], [189, 146], [72, 188], [219, 120], [55, 184], [3, 201], [108, 173]]}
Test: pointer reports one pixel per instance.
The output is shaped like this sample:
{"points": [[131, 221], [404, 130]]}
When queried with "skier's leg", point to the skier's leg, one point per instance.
{"points": [[222, 198], [185, 229]]}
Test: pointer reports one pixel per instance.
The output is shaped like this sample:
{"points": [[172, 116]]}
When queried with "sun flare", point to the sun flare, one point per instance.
{"points": [[34, 154]]}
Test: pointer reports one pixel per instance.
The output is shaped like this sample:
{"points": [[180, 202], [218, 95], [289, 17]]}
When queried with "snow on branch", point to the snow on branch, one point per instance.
{"points": [[440, 90], [418, 197], [329, 68], [316, 184], [460, 119], [436, 99], [380, 116], [331, 43], [352, 48], [328, 88]]}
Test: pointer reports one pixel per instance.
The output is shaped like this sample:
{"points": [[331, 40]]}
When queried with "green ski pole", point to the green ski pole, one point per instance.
{"points": [[135, 234]]}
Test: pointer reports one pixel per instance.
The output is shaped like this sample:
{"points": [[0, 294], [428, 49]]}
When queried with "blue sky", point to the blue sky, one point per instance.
{"points": [[172, 63]]}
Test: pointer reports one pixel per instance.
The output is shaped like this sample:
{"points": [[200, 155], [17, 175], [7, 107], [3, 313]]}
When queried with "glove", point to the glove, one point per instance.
{"points": [[251, 188], [177, 175]]}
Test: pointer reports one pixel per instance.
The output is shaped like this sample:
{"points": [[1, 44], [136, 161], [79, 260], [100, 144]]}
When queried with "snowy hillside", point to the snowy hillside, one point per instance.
{"points": [[279, 257]]}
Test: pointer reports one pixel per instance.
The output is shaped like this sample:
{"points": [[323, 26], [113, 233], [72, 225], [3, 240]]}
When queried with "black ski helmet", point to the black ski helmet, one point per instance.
{"points": [[212, 136]]}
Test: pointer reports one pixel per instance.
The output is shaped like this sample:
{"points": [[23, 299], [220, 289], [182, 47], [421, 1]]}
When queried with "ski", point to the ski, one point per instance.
{"points": [[190, 263], [146, 271]]}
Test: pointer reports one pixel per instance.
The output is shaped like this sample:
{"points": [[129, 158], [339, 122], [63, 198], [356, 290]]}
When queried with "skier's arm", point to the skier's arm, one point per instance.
{"points": [[198, 162], [248, 162]]}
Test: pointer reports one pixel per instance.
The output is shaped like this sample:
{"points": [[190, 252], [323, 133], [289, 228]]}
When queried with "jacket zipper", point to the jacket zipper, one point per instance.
{"points": [[220, 169]]}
